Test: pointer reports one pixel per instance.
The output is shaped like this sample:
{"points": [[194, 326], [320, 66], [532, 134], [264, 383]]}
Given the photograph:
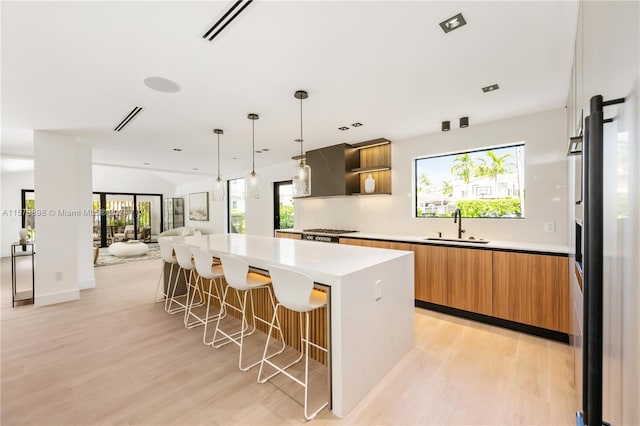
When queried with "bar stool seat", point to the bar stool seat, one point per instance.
{"points": [[239, 278], [214, 273], [294, 291]]}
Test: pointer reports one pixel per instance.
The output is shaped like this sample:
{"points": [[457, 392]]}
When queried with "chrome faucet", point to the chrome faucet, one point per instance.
{"points": [[457, 218]]}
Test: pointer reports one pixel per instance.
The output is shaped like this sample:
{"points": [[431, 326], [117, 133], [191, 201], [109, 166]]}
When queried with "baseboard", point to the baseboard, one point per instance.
{"points": [[58, 297], [85, 284], [523, 328]]}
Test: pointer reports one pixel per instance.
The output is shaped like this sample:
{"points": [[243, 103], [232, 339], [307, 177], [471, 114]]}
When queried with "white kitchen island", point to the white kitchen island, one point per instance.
{"points": [[371, 302]]}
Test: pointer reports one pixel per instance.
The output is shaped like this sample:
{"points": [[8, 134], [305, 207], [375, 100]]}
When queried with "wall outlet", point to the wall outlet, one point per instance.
{"points": [[57, 276], [550, 226], [377, 290]]}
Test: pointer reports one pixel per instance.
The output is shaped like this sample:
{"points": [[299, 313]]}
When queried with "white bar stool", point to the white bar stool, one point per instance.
{"points": [[166, 254], [238, 277], [214, 273], [294, 291], [183, 254]]}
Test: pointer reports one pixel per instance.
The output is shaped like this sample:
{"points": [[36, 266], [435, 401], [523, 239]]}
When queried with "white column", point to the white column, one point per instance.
{"points": [[62, 180], [84, 223]]}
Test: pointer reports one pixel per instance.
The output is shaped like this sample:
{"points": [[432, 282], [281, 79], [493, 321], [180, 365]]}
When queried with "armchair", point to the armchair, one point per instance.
{"points": [[126, 235]]}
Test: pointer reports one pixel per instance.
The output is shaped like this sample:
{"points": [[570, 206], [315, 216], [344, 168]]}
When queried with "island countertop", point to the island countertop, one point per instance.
{"points": [[325, 263]]}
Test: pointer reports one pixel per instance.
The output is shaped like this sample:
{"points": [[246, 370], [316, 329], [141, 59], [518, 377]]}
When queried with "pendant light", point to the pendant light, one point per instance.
{"points": [[252, 180], [301, 171], [218, 186]]}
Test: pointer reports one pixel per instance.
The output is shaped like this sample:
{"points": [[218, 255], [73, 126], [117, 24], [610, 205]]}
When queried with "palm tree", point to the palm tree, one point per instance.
{"points": [[497, 167], [424, 183], [447, 188], [463, 167]]}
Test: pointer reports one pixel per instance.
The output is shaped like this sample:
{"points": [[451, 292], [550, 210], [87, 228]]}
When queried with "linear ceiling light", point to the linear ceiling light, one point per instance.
{"points": [[226, 19], [133, 114]]}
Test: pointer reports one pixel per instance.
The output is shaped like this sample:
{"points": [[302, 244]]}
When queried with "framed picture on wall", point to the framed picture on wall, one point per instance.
{"points": [[199, 206]]}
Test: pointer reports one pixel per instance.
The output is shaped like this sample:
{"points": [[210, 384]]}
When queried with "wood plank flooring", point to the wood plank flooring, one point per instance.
{"points": [[116, 358]]}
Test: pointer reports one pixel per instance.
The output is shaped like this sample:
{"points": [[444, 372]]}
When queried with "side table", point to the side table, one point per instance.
{"points": [[22, 250]]}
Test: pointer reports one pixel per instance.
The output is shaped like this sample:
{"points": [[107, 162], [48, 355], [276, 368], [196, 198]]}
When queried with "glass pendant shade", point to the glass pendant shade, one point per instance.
{"points": [[252, 186], [219, 190], [301, 180]]}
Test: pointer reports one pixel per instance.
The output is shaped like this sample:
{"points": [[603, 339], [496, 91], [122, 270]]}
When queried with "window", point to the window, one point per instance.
{"points": [[484, 183], [237, 220], [283, 205]]}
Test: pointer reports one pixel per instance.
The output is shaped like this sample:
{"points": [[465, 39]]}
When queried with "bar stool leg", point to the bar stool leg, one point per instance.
{"points": [[221, 313], [304, 347], [161, 283]]}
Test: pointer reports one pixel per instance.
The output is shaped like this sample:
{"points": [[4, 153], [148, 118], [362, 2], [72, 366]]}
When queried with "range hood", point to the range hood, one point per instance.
{"points": [[331, 170]]}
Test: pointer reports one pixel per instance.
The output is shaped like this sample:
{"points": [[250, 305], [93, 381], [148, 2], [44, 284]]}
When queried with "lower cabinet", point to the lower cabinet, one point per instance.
{"points": [[526, 288], [469, 280], [430, 273], [290, 235], [531, 289]]}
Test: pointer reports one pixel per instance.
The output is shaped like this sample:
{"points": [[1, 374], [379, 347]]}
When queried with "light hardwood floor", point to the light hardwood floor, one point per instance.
{"points": [[116, 358]]}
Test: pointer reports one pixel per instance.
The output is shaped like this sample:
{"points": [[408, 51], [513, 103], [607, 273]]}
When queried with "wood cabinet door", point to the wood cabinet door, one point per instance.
{"points": [[469, 280], [430, 273], [289, 235], [351, 241], [526, 289]]}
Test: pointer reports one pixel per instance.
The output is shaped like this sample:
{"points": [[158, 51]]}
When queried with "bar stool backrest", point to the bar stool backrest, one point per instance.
{"points": [[166, 250], [183, 254], [292, 288], [203, 260], [235, 271]]}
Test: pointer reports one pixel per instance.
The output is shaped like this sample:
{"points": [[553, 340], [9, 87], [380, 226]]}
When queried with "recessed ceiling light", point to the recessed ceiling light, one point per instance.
{"points": [[356, 124], [490, 88], [343, 128], [265, 150], [177, 149], [160, 84], [146, 164], [453, 23], [195, 168]]}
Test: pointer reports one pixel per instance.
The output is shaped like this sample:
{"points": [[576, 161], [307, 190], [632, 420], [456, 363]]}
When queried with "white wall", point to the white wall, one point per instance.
{"points": [[545, 185], [126, 179]]}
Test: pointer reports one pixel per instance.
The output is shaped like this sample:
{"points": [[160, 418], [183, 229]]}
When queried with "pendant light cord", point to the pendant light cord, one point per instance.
{"points": [[301, 140], [218, 156], [253, 147]]}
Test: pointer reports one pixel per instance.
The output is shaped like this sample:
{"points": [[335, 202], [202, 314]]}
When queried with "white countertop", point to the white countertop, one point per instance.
{"points": [[493, 244], [325, 263]]}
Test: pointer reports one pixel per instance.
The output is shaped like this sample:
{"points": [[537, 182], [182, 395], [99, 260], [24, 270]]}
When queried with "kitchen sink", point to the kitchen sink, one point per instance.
{"points": [[457, 240]]}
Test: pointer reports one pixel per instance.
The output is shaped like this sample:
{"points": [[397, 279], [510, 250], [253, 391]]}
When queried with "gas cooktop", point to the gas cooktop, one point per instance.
{"points": [[327, 231]]}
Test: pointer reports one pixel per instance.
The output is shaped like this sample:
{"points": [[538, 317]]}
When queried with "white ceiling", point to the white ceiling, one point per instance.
{"points": [[79, 67]]}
